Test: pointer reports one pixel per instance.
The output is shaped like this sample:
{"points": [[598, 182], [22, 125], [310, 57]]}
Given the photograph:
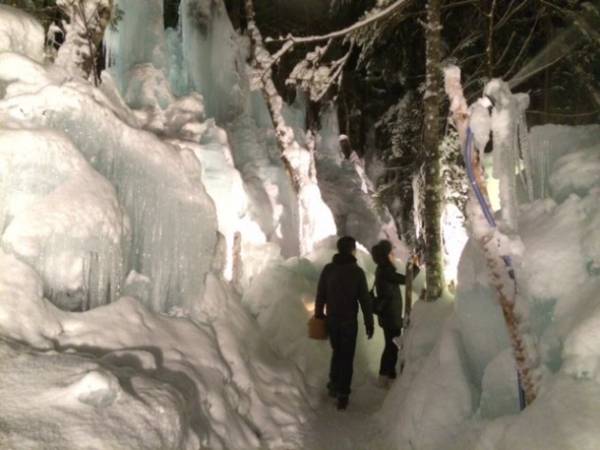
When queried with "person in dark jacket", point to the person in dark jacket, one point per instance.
{"points": [[342, 288], [387, 288]]}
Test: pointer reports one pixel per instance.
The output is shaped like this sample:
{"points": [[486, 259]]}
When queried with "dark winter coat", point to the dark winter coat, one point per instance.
{"points": [[342, 287], [387, 288]]}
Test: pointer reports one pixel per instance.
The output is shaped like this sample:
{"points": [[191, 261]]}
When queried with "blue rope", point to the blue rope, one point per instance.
{"points": [[487, 212]]}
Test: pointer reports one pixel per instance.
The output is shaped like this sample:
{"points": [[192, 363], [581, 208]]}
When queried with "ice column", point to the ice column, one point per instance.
{"points": [[139, 37], [210, 49], [505, 118]]}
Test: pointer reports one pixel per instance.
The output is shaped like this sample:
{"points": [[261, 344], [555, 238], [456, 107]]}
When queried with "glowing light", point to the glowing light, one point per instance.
{"points": [[309, 305], [455, 237]]}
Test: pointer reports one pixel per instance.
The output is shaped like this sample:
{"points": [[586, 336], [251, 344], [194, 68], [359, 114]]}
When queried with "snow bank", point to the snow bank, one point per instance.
{"points": [[55, 400], [209, 387]]}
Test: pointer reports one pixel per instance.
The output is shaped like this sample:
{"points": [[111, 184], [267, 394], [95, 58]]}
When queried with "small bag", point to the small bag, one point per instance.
{"points": [[317, 328]]}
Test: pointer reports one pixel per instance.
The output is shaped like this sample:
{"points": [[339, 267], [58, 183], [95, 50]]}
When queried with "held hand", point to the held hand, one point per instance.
{"points": [[416, 261]]}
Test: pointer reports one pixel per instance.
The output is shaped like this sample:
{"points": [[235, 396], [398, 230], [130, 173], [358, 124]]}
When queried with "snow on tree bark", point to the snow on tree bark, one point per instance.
{"points": [[83, 35], [299, 162], [431, 144], [488, 239]]}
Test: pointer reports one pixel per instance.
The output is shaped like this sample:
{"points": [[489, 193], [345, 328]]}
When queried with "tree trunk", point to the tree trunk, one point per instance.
{"points": [[431, 142], [299, 162], [84, 33]]}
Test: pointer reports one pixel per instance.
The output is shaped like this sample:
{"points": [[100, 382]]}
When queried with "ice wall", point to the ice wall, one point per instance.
{"points": [[214, 64], [349, 193], [138, 38], [173, 221], [61, 217], [204, 57], [212, 61], [550, 142]]}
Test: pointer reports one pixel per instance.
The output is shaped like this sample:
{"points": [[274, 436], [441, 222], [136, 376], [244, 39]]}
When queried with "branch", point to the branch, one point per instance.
{"points": [[522, 51], [368, 20], [506, 49], [509, 13], [489, 49], [262, 61]]}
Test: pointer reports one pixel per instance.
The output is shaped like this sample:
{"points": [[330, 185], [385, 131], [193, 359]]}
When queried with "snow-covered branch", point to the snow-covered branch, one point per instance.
{"points": [[370, 18], [317, 78]]}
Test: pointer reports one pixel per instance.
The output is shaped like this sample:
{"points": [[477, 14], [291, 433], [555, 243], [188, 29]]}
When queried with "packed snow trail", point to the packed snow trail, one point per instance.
{"points": [[354, 428]]}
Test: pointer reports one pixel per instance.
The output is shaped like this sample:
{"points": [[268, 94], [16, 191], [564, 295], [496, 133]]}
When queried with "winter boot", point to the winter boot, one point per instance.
{"points": [[384, 381], [342, 403]]}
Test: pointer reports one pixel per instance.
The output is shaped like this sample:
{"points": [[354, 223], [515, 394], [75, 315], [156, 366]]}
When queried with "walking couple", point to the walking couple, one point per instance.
{"points": [[342, 288]]}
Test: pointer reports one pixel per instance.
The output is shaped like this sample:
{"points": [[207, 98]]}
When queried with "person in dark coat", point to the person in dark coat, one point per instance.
{"points": [[387, 288], [342, 288]]}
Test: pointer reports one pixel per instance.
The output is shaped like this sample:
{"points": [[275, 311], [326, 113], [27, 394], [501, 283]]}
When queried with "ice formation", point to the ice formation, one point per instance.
{"points": [[137, 202], [21, 33], [62, 218], [350, 193], [102, 199]]}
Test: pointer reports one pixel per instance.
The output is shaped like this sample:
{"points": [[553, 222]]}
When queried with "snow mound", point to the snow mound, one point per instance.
{"points": [[21, 292], [576, 173], [207, 385], [53, 400], [21, 33]]}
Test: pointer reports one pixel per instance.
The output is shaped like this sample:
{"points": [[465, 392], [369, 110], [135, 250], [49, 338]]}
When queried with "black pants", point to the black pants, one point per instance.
{"points": [[389, 357], [342, 336]]}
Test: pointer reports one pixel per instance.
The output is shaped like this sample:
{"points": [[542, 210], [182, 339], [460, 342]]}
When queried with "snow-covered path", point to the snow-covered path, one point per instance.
{"points": [[355, 428]]}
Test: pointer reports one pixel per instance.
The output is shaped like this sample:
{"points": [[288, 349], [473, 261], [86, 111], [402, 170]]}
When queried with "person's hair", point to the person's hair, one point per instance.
{"points": [[346, 245], [380, 252]]}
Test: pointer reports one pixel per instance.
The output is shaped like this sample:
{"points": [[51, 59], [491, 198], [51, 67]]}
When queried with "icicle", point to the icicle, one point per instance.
{"points": [[505, 117]]}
